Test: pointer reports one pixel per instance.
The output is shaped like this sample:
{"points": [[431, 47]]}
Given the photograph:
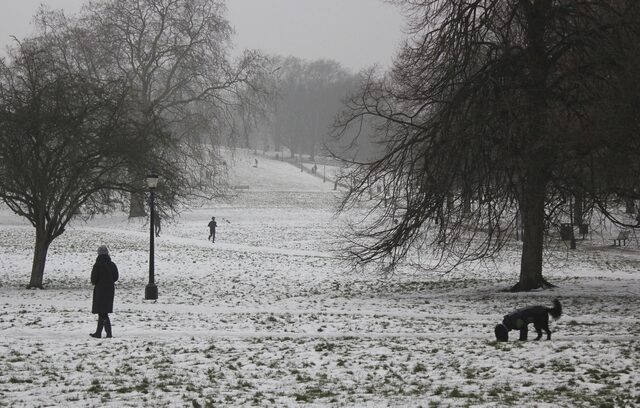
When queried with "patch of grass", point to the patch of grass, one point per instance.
{"points": [[15, 380], [440, 390], [257, 397], [311, 394], [470, 373], [95, 387], [562, 366], [504, 393], [594, 373], [244, 384], [143, 387], [606, 397], [511, 399], [325, 346], [16, 357], [303, 378]]}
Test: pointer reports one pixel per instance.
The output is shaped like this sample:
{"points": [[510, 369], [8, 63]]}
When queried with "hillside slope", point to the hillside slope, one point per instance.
{"points": [[273, 183], [269, 174]]}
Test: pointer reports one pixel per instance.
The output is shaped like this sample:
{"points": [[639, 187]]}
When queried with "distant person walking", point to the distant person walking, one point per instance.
{"points": [[103, 276], [212, 229], [156, 223]]}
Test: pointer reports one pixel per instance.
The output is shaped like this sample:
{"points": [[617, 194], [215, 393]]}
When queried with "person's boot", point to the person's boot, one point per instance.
{"points": [[98, 332], [107, 327]]}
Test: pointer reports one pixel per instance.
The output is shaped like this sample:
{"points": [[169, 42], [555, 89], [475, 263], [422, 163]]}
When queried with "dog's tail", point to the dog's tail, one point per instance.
{"points": [[556, 310]]}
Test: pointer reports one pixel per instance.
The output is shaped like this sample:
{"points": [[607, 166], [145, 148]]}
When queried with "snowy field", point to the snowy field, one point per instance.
{"points": [[267, 316]]}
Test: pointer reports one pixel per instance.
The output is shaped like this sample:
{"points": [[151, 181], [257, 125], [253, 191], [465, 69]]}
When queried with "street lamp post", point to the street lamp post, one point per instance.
{"points": [[151, 290]]}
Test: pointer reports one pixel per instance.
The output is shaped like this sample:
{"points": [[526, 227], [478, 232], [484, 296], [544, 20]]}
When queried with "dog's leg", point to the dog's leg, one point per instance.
{"points": [[538, 328], [502, 333], [523, 333], [544, 324]]}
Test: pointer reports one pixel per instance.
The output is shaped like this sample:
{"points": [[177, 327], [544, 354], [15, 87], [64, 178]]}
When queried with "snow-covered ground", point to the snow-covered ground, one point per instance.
{"points": [[268, 316]]}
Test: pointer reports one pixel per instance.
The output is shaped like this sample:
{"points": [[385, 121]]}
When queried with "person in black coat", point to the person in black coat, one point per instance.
{"points": [[212, 229], [103, 276], [156, 223]]}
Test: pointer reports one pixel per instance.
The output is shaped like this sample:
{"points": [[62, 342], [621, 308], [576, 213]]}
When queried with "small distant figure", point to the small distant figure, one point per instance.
{"points": [[156, 223], [212, 229], [256, 163], [314, 169]]}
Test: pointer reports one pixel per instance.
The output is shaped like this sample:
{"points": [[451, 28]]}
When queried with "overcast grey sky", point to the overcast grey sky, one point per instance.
{"points": [[356, 33]]}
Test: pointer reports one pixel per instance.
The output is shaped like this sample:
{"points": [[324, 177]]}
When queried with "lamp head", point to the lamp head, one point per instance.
{"points": [[152, 180]]}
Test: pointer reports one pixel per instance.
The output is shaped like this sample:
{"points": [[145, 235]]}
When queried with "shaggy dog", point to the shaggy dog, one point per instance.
{"points": [[520, 319]]}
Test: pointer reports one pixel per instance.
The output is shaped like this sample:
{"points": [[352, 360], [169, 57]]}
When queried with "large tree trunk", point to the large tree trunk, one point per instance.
{"points": [[629, 206], [539, 159], [39, 258], [578, 208], [532, 210], [137, 205]]}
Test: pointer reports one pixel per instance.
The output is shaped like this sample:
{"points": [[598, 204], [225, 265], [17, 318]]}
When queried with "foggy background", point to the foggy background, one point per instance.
{"points": [[355, 33]]}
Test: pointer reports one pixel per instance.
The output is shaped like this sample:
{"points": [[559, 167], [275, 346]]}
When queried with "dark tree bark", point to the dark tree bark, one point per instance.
{"points": [[137, 206], [630, 206], [578, 208], [41, 248], [532, 208]]}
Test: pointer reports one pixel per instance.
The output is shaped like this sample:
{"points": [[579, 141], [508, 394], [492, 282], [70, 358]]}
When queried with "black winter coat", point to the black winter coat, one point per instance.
{"points": [[103, 275]]}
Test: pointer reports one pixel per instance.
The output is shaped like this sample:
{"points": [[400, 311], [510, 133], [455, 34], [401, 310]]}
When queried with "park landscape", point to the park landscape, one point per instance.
{"points": [[465, 167], [270, 315]]}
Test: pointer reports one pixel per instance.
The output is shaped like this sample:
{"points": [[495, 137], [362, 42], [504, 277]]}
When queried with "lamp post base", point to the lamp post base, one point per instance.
{"points": [[151, 292]]}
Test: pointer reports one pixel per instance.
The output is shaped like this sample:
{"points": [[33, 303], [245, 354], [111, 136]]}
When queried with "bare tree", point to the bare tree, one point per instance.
{"points": [[487, 104], [62, 142], [184, 90]]}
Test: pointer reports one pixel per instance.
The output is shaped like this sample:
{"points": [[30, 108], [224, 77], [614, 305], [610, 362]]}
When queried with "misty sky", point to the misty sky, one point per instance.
{"points": [[356, 33]]}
